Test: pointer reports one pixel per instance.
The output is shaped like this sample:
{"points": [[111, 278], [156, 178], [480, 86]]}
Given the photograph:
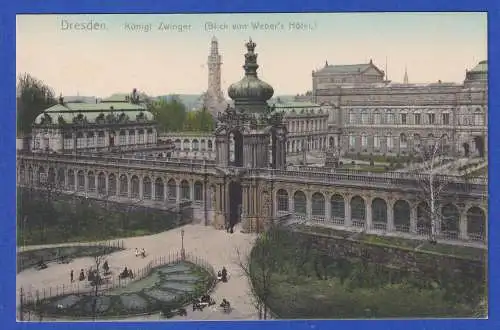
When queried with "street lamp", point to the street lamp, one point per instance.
{"points": [[183, 253]]}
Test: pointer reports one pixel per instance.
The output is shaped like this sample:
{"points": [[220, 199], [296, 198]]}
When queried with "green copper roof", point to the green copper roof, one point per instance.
{"points": [[91, 111], [348, 68], [481, 67]]}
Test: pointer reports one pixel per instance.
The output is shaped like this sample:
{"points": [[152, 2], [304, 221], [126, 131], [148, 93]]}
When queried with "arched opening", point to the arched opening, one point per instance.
{"points": [[235, 195], [101, 183], [100, 139], [476, 224], [238, 148], [466, 148], [282, 199], [80, 179], [111, 139], [318, 206], [112, 185], [71, 180], [185, 193], [51, 176], [210, 145], [90, 139], [299, 204], [379, 214], [423, 219], [358, 211], [61, 178], [186, 145], [159, 193], [140, 135], [91, 181], [198, 191], [196, 145], [146, 188], [123, 138], [177, 144], [131, 136], [123, 186], [337, 210], [203, 145], [172, 190], [40, 176], [402, 216], [450, 221], [479, 142], [134, 191]]}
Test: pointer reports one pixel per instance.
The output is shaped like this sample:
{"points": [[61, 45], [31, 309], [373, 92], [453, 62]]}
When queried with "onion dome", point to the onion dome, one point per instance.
{"points": [[250, 94]]}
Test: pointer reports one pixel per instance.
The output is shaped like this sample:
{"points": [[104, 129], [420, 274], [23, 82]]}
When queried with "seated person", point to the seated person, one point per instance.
{"points": [[105, 266], [224, 274]]}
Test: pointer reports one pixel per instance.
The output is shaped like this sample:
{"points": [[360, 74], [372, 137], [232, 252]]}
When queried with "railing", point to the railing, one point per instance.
{"points": [[28, 297], [198, 165]]}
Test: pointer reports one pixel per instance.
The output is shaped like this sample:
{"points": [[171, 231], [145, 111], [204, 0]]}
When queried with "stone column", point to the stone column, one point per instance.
{"points": [[328, 207], [368, 220], [75, 181], [463, 225], [413, 219], [107, 185], [165, 191], [291, 207], [177, 192], [390, 216], [141, 188], [129, 187], [96, 182], [347, 211], [153, 189], [191, 190], [308, 206], [86, 177]]}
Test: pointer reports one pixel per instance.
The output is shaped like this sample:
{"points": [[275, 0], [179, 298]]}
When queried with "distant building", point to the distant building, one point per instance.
{"points": [[372, 115], [213, 99], [120, 120]]}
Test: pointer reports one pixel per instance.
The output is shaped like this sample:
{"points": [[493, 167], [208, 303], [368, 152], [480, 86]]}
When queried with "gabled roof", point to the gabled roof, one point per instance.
{"points": [[349, 68]]}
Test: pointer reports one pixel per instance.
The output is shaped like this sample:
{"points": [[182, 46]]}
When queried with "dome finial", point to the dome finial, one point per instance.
{"points": [[251, 65]]}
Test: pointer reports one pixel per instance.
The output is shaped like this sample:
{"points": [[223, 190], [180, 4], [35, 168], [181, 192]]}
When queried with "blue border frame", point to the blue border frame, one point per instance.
{"points": [[7, 143]]}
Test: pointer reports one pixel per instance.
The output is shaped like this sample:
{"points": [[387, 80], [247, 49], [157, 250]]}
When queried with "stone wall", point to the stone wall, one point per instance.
{"points": [[428, 264]]}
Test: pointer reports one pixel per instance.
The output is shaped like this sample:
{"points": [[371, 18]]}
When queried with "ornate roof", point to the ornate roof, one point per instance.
{"points": [[250, 92], [481, 67], [94, 113], [348, 68]]}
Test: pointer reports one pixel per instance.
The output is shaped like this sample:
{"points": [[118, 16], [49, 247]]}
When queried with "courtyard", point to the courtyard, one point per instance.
{"points": [[217, 248]]}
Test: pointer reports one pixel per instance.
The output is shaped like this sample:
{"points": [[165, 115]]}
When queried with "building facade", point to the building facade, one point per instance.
{"points": [[372, 115], [76, 127]]}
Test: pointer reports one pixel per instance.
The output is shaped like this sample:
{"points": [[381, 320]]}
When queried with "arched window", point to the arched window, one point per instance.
{"points": [[123, 185], [123, 138], [198, 191], [402, 216], [131, 136], [403, 141], [379, 214], [476, 224], [450, 221], [146, 188], [172, 190], [185, 193], [299, 203], [358, 211], [134, 187], [282, 196], [337, 209], [318, 205], [159, 189], [91, 181], [90, 139], [101, 183], [364, 140]]}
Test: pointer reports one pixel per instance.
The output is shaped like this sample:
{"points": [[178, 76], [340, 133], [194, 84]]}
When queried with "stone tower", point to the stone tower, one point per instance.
{"points": [[214, 99], [258, 133]]}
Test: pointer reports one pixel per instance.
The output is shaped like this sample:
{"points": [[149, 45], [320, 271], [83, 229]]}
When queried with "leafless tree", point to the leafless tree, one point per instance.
{"points": [[430, 178], [258, 266]]}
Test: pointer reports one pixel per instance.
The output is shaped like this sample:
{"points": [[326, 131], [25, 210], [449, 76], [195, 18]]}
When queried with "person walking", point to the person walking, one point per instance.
{"points": [[71, 275]]}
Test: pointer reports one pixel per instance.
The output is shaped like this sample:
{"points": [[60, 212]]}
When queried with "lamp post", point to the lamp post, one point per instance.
{"points": [[183, 253]]}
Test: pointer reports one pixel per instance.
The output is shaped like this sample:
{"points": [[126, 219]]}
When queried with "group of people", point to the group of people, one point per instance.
{"points": [[222, 275], [127, 273], [141, 253], [92, 274]]}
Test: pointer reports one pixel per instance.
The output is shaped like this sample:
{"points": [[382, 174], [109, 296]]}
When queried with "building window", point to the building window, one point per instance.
{"points": [[131, 136], [390, 141], [352, 117], [150, 136], [100, 138], [418, 119], [377, 118], [90, 139], [364, 118], [403, 118], [123, 138], [403, 140], [352, 140], [80, 140], [141, 136], [364, 140], [478, 118], [432, 118], [376, 142], [446, 118]]}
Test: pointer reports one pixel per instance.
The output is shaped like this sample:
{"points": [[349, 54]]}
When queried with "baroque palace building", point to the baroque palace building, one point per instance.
{"points": [[251, 185], [372, 115]]}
